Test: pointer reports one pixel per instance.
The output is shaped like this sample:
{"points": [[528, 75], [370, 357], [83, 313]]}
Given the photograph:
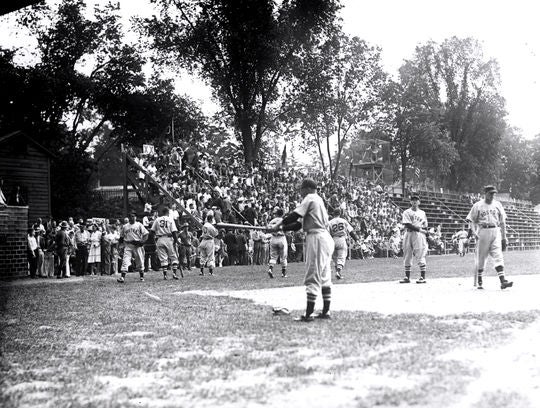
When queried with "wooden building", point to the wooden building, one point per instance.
{"points": [[25, 171]]}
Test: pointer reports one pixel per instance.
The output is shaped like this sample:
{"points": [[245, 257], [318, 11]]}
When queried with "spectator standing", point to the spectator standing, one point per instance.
{"points": [[32, 252], [62, 245], [82, 241], [94, 254]]}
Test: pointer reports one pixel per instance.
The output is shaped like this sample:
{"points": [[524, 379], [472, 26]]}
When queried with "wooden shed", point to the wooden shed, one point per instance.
{"points": [[24, 163]]}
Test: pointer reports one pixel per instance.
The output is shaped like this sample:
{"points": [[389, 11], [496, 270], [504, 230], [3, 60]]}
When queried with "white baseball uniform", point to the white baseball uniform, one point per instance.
{"points": [[414, 242], [278, 244], [487, 219], [206, 247], [319, 244], [134, 235], [164, 227], [339, 229], [461, 237]]}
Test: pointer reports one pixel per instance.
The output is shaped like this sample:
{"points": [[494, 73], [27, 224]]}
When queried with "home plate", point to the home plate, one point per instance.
{"points": [[445, 296]]}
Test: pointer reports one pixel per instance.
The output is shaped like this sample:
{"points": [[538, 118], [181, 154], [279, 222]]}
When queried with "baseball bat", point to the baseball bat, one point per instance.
{"points": [[240, 226]]}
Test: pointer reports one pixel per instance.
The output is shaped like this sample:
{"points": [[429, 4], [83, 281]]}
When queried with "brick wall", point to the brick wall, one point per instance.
{"points": [[13, 226]]}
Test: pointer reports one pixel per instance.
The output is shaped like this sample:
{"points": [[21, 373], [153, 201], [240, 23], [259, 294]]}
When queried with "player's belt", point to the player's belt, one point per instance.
{"points": [[488, 226], [165, 236]]}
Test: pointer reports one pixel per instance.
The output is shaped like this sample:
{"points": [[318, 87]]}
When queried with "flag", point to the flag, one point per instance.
{"points": [[284, 157]]}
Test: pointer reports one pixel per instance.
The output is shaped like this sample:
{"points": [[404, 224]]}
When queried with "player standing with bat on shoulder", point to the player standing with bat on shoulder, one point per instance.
{"points": [[488, 224]]}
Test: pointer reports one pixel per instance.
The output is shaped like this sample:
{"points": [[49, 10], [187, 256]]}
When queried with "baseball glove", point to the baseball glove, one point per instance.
{"points": [[281, 311]]}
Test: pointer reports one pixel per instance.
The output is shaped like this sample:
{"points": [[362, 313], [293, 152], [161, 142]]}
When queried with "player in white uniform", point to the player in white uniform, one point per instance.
{"points": [[414, 243], [206, 247], [319, 246], [164, 228], [462, 238], [278, 245], [133, 235], [488, 224], [339, 228]]}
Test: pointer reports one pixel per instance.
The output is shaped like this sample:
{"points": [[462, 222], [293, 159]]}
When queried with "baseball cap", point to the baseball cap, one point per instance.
{"points": [[490, 189], [414, 197], [308, 183]]}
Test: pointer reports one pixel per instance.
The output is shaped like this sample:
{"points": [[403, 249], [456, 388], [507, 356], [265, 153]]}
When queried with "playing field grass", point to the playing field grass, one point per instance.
{"points": [[95, 343]]}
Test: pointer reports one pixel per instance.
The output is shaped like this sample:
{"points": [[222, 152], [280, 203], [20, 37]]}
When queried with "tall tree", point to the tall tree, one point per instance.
{"points": [[339, 91], [466, 86], [418, 137], [244, 49]]}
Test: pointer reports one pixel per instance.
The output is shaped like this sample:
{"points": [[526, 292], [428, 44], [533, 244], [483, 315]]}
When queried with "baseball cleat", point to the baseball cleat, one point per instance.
{"points": [[281, 311], [323, 316], [164, 277], [480, 287], [121, 280], [141, 279], [270, 275], [338, 275], [506, 284], [405, 280], [283, 274], [303, 318], [421, 280], [175, 276]]}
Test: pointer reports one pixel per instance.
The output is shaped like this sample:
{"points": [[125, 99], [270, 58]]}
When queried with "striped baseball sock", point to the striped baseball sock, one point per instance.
{"points": [[310, 307], [500, 272], [327, 297], [423, 271], [408, 271]]}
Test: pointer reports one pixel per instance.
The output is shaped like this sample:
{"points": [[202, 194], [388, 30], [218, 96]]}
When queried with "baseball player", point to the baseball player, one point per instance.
{"points": [[339, 228], [206, 247], [488, 224], [462, 237], [278, 245], [133, 235], [319, 247], [164, 228], [414, 243]]}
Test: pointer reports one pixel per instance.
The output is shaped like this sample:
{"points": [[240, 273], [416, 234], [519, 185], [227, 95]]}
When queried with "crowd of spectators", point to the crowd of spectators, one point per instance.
{"points": [[236, 193]]}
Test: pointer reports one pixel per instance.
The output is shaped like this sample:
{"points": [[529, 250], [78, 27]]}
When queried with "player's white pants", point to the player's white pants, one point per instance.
{"points": [[278, 248], [461, 245], [489, 243], [206, 253], [414, 245], [319, 247], [135, 252], [166, 251], [340, 251]]}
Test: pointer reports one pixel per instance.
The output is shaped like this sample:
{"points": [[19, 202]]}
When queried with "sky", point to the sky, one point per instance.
{"points": [[508, 30]]}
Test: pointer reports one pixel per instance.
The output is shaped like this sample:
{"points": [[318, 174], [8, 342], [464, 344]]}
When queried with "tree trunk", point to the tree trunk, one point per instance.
{"points": [[246, 132]]}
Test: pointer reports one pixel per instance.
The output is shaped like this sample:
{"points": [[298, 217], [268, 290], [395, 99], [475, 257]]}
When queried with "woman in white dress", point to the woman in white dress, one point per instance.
{"points": [[94, 253]]}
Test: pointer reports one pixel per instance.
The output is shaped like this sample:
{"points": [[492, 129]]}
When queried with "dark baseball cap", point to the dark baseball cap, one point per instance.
{"points": [[308, 183], [490, 189], [415, 197]]}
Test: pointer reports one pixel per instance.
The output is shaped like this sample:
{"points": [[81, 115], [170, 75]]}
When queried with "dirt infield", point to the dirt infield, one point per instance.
{"points": [[438, 297]]}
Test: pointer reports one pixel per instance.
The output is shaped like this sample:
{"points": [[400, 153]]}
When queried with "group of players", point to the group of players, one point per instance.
{"points": [[326, 242]]}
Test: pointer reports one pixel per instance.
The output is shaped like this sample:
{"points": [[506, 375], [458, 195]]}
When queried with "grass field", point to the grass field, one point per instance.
{"points": [[94, 343]]}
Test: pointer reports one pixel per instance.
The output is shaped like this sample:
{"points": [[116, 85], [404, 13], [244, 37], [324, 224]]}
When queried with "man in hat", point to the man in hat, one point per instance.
{"points": [[488, 224], [82, 241], [319, 247], [339, 230], [186, 245], [164, 228], [414, 243], [133, 235], [62, 242]]}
